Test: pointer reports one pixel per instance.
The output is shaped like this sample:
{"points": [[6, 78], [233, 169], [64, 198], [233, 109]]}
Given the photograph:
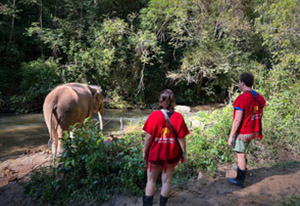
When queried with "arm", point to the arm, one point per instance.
{"points": [[146, 145], [235, 125], [183, 147]]}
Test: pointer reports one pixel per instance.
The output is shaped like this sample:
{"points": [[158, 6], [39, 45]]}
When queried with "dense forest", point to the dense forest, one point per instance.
{"points": [[134, 49]]}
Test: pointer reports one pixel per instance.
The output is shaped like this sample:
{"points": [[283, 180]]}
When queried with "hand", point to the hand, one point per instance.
{"points": [[144, 156], [184, 158], [229, 142]]}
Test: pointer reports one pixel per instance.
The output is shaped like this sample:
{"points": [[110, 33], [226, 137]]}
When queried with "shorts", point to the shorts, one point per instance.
{"points": [[162, 164], [239, 145]]}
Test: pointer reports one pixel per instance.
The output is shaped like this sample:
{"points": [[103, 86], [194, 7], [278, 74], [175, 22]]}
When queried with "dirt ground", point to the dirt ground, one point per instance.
{"points": [[264, 185]]}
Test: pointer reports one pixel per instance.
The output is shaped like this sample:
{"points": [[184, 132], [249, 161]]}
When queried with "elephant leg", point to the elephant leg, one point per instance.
{"points": [[49, 144], [54, 142], [60, 143]]}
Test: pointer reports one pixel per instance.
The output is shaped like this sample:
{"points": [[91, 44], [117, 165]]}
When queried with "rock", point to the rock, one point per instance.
{"points": [[183, 109], [200, 176], [195, 123]]}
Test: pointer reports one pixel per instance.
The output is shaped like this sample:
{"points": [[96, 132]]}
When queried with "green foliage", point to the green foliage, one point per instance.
{"points": [[293, 200], [38, 79], [114, 100], [207, 145], [279, 26], [282, 120], [134, 50], [91, 168]]}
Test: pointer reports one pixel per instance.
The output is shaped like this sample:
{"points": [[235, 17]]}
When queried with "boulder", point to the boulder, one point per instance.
{"points": [[195, 123], [183, 109]]}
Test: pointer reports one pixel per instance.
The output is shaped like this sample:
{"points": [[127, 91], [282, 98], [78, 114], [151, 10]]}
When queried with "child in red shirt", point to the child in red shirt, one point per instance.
{"points": [[162, 149]]}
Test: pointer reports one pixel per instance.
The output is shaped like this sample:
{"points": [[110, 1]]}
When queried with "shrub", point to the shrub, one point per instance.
{"points": [[39, 77], [207, 145], [91, 168], [282, 120]]}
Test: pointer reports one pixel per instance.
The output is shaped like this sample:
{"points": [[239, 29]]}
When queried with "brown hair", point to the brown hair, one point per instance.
{"points": [[167, 100], [247, 78]]}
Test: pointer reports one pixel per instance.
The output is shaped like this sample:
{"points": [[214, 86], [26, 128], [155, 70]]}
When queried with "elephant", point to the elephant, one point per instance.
{"points": [[68, 104]]}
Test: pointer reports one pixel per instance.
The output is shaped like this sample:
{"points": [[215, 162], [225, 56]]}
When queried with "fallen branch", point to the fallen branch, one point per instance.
{"points": [[35, 167]]}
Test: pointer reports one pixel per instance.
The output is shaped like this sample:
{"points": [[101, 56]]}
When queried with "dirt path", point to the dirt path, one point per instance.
{"points": [[15, 171], [265, 185]]}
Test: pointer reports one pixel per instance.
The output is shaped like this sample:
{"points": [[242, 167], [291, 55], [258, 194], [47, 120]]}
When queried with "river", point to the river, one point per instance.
{"points": [[21, 133]]}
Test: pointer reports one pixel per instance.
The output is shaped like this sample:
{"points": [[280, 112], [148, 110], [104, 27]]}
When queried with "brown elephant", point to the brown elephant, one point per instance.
{"points": [[68, 104]]}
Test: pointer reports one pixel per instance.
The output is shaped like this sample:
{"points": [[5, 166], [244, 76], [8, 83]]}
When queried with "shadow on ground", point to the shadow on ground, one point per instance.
{"points": [[264, 186], [18, 142]]}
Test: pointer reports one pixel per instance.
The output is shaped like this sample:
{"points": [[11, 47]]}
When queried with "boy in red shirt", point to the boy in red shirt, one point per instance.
{"points": [[247, 124], [162, 149]]}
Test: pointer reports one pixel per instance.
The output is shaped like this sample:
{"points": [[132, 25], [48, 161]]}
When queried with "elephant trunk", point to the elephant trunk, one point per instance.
{"points": [[100, 120]]}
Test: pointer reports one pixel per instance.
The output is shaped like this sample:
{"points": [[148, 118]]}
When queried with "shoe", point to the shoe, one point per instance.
{"points": [[147, 200], [236, 182], [240, 178], [163, 200]]}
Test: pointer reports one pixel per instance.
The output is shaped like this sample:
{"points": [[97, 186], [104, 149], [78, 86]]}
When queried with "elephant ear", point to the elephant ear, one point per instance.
{"points": [[98, 98]]}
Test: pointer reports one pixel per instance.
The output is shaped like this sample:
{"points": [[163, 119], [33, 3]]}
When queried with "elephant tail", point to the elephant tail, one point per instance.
{"points": [[53, 127]]}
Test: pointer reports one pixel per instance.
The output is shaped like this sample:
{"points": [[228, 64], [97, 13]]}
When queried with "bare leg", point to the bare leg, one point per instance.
{"points": [[151, 181], [241, 161], [166, 179]]}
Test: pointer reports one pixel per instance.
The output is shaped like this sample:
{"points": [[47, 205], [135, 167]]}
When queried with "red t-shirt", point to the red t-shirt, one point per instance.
{"points": [[163, 145], [252, 112]]}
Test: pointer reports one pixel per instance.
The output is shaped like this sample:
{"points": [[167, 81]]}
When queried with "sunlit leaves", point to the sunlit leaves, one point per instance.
{"points": [[279, 26]]}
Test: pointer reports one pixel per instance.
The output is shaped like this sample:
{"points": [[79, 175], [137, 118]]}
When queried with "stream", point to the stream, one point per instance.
{"points": [[21, 133]]}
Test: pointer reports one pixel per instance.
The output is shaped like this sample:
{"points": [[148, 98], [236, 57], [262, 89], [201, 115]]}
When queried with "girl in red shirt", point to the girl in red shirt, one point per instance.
{"points": [[162, 150]]}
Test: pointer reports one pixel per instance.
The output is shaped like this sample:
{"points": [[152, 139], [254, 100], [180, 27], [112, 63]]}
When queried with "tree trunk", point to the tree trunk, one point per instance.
{"points": [[12, 23], [199, 85], [41, 25]]}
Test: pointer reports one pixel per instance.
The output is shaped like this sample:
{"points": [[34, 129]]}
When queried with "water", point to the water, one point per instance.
{"points": [[29, 132], [19, 133], [129, 117]]}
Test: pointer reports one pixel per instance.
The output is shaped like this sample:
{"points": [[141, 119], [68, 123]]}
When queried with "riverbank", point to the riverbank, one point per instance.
{"points": [[275, 174], [267, 183]]}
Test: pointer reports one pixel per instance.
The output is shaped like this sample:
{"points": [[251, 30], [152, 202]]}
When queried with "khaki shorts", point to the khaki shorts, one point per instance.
{"points": [[240, 146]]}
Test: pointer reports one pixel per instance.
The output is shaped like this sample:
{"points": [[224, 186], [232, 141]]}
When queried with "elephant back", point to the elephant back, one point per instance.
{"points": [[71, 102]]}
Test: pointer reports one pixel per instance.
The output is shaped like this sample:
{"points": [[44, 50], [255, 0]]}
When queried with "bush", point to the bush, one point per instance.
{"points": [[91, 169], [207, 145], [282, 120], [39, 77]]}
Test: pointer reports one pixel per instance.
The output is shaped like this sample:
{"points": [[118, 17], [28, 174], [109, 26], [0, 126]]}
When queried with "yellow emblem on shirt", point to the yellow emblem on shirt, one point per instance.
{"points": [[255, 109], [165, 132]]}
